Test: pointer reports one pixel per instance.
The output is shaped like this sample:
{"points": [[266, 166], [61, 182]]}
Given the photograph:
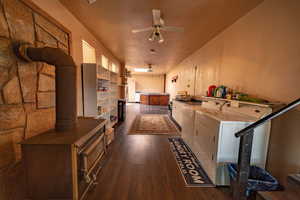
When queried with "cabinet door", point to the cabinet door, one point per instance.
{"points": [[154, 100], [188, 118], [144, 99], [176, 112], [205, 143], [164, 100], [180, 113]]}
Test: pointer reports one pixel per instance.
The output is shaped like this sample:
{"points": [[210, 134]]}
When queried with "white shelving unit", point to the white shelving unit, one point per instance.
{"points": [[107, 96], [100, 93]]}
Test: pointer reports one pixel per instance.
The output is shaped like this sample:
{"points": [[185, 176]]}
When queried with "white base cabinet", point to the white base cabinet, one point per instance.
{"points": [[213, 141], [214, 144], [177, 112]]}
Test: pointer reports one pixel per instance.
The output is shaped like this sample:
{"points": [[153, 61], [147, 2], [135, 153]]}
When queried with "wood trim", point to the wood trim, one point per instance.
{"points": [[165, 80], [74, 172], [43, 13]]}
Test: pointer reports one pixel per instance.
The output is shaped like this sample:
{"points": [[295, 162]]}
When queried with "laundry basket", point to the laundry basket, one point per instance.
{"points": [[259, 179]]}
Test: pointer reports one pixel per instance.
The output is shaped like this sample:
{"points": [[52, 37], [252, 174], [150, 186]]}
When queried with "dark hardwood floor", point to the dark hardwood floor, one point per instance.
{"points": [[142, 167]]}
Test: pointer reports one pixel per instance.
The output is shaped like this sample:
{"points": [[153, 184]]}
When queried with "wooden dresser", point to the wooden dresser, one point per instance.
{"points": [[64, 165]]}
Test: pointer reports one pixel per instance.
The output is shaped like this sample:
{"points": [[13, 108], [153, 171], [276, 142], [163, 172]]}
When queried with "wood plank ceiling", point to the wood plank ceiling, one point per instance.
{"points": [[112, 21]]}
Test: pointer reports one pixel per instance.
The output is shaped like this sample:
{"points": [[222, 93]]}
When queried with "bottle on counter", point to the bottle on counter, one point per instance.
{"points": [[229, 94]]}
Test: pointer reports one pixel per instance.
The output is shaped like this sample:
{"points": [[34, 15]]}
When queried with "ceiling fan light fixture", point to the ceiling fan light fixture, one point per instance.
{"points": [[150, 68], [152, 37], [91, 1], [160, 39], [157, 26]]}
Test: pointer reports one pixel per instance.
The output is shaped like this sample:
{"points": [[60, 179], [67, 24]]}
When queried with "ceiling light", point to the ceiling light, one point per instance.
{"points": [[141, 69], [91, 1], [160, 38]]}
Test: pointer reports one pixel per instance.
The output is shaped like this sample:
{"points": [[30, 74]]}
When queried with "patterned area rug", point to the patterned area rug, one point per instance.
{"points": [[189, 165], [153, 124]]}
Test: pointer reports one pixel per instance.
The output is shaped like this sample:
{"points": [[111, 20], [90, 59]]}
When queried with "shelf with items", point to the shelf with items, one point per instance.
{"points": [[103, 73], [100, 92], [107, 95]]}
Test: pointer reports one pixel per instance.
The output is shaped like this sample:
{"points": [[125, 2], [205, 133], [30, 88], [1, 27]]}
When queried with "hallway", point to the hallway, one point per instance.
{"points": [[143, 167]]}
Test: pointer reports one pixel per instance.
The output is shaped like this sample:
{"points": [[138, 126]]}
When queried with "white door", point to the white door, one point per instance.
{"points": [[131, 90]]}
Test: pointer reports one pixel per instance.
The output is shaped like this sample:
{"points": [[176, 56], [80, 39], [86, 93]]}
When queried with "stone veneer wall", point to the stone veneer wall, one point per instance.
{"points": [[27, 90]]}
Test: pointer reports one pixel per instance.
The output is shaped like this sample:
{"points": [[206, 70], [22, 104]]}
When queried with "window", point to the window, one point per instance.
{"points": [[88, 52], [104, 62], [114, 68], [141, 69]]}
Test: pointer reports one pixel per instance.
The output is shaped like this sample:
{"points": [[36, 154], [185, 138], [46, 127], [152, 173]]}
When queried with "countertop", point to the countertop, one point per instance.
{"points": [[218, 115], [154, 94], [84, 129]]}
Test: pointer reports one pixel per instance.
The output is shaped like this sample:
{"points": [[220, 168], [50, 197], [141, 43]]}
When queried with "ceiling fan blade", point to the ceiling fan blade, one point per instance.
{"points": [[172, 28], [142, 30], [156, 17]]}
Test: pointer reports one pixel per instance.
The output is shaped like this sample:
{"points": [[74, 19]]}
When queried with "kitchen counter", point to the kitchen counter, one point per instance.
{"points": [[154, 93], [216, 114], [159, 99], [208, 129]]}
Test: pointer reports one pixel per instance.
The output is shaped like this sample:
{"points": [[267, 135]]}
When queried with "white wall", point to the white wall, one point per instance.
{"points": [[149, 83], [259, 55]]}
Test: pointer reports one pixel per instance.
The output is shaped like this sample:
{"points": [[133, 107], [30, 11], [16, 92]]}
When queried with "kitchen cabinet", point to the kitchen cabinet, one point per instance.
{"points": [[177, 112], [210, 135], [204, 143], [144, 99], [214, 144], [187, 124], [164, 100], [155, 99]]}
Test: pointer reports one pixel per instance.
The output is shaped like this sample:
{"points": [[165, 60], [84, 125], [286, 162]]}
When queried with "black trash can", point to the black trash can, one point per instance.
{"points": [[259, 179], [121, 110]]}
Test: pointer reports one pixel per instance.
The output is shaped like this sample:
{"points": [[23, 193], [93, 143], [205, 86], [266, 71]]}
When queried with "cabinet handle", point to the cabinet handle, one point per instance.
{"points": [[212, 157], [214, 139]]}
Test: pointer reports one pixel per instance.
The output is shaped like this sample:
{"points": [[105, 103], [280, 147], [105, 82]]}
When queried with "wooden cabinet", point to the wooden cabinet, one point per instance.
{"points": [[164, 100], [144, 99], [152, 99]]}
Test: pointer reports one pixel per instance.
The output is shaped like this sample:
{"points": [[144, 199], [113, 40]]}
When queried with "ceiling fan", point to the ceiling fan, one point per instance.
{"points": [[150, 68], [157, 27]]}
